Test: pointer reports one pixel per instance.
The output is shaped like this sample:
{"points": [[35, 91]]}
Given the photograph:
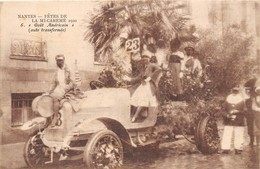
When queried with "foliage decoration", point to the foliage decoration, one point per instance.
{"points": [[160, 19]]}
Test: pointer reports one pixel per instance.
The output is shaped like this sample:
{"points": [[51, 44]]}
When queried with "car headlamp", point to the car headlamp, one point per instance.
{"points": [[44, 105]]}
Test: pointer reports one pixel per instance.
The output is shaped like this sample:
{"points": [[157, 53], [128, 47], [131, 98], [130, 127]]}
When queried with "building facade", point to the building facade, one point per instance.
{"points": [[27, 61]]}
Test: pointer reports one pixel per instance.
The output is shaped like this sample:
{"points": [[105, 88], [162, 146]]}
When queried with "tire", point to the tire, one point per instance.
{"points": [[103, 150], [197, 134], [35, 152], [206, 136]]}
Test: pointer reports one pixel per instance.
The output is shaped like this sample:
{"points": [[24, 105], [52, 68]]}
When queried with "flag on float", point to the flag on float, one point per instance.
{"points": [[77, 76]]}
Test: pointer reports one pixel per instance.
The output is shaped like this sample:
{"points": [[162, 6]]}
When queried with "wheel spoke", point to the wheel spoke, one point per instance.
{"points": [[211, 134], [36, 152], [36, 158], [207, 135], [107, 152]]}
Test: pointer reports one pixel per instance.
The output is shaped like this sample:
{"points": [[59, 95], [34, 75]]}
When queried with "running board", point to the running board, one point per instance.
{"points": [[77, 148]]}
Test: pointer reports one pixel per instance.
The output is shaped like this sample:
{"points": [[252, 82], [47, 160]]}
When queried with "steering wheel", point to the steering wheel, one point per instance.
{"points": [[96, 85]]}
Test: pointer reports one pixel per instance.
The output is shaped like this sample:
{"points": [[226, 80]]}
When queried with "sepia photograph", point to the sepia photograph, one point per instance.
{"points": [[130, 84]]}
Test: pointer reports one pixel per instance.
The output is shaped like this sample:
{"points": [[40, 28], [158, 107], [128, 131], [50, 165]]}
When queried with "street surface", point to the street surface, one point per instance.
{"points": [[180, 155]]}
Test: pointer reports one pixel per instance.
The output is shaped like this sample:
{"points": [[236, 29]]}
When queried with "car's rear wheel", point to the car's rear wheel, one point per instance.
{"points": [[206, 135], [104, 150]]}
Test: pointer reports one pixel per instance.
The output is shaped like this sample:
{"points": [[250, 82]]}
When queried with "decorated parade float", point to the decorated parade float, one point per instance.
{"points": [[96, 125]]}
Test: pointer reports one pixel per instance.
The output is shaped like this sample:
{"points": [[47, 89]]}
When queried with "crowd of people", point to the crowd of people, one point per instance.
{"points": [[168, 57], [180, 69]]}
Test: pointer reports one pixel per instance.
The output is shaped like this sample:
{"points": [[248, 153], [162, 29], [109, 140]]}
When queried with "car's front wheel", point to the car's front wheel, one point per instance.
{"points": [[103, 150], [36, 154]]}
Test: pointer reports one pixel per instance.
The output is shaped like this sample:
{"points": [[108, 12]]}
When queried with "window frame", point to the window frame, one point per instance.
{"points": [[21, 105]]}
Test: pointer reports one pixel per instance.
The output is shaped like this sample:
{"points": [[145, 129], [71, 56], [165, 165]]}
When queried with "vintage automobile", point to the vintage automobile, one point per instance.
{"points": [[98, 129]]}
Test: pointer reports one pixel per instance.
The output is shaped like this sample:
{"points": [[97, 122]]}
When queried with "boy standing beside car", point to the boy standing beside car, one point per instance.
{"points": [[234, 121]]}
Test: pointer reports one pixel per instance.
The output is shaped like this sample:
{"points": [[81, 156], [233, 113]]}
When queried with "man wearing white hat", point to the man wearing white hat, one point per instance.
{"points": [[62, 83]]}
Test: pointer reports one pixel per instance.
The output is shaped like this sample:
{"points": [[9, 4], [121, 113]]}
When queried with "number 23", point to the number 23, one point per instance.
{"points": [[132, 45]]}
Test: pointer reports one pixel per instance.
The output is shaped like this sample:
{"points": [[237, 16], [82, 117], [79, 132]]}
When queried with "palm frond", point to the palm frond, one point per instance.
{"points": [[158, 18]]}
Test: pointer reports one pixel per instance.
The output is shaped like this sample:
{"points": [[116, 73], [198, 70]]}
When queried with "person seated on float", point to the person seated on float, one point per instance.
{"points": [[197, 68], [62, 83], [145, 94], [161, 54], [192, 68], [188, 62]]}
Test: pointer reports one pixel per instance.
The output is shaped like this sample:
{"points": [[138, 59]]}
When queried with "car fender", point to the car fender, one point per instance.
{"points": [[90, 126], [38, 121]]}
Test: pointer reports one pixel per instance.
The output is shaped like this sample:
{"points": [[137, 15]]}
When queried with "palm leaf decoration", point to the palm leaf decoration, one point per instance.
{"points": [[159, 18]]}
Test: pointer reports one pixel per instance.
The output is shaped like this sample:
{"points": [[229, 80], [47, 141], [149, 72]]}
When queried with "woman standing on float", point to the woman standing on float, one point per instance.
{"points": [[145, 94]]}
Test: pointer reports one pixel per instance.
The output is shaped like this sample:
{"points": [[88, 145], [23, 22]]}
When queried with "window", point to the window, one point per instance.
{"points": [[22, 108]]}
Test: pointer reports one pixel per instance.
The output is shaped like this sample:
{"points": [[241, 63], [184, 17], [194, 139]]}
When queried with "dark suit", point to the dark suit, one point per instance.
{"points": [[249, 85]]}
